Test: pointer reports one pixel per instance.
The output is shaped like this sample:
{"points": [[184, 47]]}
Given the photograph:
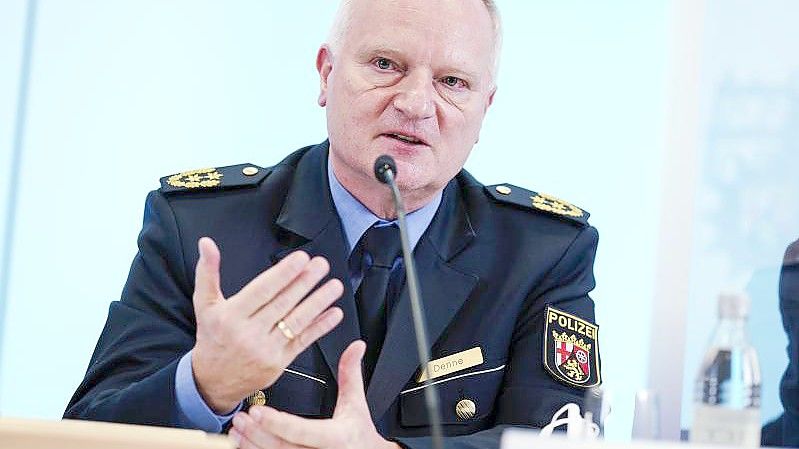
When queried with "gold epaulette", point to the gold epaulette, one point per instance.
{"points": [[511, 194], [205, 179]]}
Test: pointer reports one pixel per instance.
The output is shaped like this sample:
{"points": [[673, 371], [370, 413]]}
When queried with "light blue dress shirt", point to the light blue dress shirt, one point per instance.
{"points": [[355, 220]]}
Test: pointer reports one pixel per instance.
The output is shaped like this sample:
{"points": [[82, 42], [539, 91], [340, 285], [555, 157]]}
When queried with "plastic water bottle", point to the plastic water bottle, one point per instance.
{"points": [[727, 396]]}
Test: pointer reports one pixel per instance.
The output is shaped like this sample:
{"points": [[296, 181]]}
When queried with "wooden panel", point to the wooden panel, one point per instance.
{"points": [[70, 434]]}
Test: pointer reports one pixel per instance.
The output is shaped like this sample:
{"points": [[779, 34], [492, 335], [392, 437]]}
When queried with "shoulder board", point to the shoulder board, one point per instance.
{"points": [[209, 179], [527, 199]]}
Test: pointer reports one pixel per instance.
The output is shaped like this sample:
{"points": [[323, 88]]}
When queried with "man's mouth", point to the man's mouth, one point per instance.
{"points": [[405, 138]]}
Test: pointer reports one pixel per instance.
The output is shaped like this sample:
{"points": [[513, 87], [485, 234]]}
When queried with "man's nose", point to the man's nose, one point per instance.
{"points": [[414, 97]]}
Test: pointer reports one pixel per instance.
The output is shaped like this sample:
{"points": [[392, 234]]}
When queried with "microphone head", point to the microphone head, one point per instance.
{"points": [[383, 164]]}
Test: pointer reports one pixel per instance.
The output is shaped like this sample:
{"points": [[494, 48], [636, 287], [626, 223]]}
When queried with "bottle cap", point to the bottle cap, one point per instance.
{"points": [[733, 305]]}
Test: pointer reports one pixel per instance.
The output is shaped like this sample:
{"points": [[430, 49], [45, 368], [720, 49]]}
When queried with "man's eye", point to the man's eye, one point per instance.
{"points": [[384, 64], [453, 81]]}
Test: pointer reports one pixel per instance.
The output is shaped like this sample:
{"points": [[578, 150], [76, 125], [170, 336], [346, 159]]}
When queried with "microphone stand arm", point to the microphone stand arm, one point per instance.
{"points": [[430, 392]]}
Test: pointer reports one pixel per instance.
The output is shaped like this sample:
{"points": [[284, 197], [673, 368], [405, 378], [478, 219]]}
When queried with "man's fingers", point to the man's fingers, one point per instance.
{"points": [[282, 304], [251, 435], [206, 277], [264, 287], [308, 310], [323, 324], [241, 441], [247, 443], [296, 430], [350, 379]]}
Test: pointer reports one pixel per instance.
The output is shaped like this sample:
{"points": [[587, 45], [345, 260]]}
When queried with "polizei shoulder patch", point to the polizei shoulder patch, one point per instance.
{"points": [[571, 352]]}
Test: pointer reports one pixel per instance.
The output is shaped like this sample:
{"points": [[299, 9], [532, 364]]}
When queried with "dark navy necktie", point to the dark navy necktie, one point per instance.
{"points": [[383, 247]]}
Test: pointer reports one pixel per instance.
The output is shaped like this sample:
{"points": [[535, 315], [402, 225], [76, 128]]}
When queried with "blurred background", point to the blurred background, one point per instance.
{"points": [[674, 123]]}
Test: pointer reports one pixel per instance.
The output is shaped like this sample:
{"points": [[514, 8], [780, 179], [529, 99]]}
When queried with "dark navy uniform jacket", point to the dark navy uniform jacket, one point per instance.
{"points": [[489, 265], [784, 431]]}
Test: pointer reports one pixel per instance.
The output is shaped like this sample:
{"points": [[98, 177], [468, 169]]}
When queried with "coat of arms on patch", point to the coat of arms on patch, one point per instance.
{"points": [[571, 354]]}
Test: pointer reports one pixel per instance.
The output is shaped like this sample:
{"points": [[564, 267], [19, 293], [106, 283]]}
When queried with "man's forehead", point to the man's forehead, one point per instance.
{"points": [[454, 29]]}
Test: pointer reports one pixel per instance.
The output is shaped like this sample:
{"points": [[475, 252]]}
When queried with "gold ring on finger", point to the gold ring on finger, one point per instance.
{"points": [[285, 329]]}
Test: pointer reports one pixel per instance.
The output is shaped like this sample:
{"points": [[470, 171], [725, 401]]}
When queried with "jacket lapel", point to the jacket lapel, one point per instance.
{"points": [[309, 213], [443, 288]]}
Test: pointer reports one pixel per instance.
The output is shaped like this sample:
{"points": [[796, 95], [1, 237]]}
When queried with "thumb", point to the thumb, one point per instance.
{"points": [[206, 278], [350, 380]]}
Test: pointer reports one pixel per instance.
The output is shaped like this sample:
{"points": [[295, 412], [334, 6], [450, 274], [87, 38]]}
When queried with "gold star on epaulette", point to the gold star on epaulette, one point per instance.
{"points": [[551, 204], [193, 179], [507, 193]]}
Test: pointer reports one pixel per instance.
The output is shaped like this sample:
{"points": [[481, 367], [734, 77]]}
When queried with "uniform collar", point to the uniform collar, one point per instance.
{"points": [[311, 221], [357, 218]]}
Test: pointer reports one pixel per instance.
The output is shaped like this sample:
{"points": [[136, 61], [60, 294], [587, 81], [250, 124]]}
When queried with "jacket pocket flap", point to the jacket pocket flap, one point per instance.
{"points": [[465, 398]]}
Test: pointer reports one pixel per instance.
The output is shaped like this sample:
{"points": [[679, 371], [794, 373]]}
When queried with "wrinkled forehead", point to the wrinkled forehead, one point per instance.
{"points": [[445, 31]]}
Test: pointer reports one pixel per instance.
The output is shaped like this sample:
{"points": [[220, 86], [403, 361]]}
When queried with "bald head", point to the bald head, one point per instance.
{"points": [[343, 21]]}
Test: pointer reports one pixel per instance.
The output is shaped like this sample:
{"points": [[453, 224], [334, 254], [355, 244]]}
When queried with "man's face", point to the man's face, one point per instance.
{"points": [[411, 79]]}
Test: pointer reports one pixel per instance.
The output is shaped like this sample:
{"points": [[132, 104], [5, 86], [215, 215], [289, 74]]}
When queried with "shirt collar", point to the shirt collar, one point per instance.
{"points": [[357, 218]]}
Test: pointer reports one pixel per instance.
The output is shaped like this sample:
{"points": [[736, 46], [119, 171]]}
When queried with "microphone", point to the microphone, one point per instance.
{"points": [[385, 166], [386, 171]]}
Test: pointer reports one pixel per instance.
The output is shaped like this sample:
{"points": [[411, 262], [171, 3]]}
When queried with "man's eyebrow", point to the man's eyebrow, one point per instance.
{"points": [[372, 51], [465, 73]]}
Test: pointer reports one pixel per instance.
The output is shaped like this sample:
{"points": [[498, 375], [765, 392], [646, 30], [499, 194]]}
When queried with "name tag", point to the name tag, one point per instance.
{"points": [[452, 364]]}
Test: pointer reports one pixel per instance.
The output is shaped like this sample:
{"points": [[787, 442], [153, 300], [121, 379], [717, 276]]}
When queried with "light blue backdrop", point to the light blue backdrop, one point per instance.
{"points": [[746, 201], [124, 92], [12, 20]]}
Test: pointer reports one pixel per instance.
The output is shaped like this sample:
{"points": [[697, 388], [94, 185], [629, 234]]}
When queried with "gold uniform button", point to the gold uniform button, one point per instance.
{"points": [[250, 171], [505, 190], [466, 409], [256, 398]]}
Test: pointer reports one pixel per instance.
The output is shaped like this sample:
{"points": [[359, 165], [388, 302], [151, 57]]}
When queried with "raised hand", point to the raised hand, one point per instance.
{"points": [[239, 347], [350, 428]]}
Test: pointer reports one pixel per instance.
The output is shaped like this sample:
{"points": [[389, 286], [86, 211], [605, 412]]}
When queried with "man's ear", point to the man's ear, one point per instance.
{"points": [[489, 102], [324, 65], [491, 97]]}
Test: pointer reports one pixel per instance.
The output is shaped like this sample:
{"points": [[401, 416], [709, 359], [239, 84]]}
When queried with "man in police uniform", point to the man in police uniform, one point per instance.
{"points": [[247, 302]]}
